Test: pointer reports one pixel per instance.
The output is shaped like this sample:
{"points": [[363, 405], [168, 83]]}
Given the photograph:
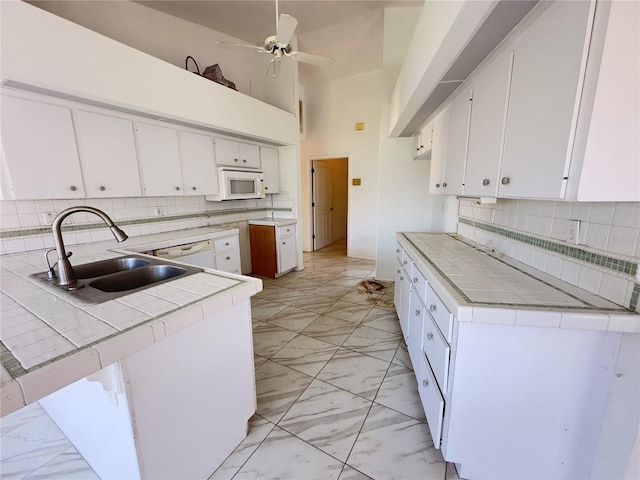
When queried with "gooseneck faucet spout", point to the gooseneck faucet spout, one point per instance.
{"points": [[66, 275]]}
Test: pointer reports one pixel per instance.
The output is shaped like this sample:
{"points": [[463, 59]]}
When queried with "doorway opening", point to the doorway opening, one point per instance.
{"points": [[329, 201]]}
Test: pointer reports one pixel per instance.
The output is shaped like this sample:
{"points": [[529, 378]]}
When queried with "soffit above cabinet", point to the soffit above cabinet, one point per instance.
{"points": [[477, 33]]}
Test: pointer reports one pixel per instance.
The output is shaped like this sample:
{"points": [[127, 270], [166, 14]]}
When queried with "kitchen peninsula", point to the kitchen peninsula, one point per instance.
{"points": [[163, 377]]}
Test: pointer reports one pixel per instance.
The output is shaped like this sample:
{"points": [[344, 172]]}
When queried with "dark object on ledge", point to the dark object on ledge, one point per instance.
{"points": [[212, 72]]}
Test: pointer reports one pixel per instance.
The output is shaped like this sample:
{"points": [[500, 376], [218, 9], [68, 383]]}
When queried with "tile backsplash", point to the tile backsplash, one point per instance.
{"points": [[23, 226], [604, 260]]}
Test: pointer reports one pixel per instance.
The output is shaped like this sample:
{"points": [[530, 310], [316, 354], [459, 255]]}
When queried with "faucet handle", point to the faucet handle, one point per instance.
{"points": [[50, 273]]}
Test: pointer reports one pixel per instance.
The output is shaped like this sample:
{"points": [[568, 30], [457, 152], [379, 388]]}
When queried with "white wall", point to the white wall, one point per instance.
{"points": [[333, 109], [172, 39]]}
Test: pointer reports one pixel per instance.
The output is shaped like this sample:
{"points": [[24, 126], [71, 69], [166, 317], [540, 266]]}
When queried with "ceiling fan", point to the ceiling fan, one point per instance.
{"points": [[279, 45]]}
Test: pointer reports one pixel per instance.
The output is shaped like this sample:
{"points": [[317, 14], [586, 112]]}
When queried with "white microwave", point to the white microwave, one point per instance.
{"points": [[237, 184]]}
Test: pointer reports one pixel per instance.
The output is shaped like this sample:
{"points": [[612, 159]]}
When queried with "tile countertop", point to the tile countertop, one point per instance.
{"points": [[479, 285], [276, 222], [49, 339]]}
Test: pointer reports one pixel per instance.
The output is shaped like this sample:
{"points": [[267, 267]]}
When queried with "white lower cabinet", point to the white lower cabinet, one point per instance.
{"points": [[227, 254], [431, 398], [286, 240]]}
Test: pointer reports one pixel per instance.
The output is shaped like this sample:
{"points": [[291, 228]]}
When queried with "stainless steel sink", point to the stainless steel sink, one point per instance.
{"points": [[116, 277], [136, 278], [106, 267]]}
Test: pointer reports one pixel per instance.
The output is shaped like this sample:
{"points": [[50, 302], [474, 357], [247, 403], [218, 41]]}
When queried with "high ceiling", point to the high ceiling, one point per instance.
{"points": [[349, 31]]}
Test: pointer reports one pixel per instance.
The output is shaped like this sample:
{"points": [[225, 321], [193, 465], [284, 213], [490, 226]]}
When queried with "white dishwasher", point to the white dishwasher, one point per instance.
{"points": [[198, 254]]}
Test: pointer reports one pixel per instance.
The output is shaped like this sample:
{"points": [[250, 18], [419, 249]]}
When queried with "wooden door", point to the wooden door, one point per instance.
{"points": [[322, 211]]}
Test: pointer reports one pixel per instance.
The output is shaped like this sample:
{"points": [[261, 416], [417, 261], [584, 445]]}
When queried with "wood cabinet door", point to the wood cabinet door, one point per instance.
{"points": [[263, 250], [456, 144], [39, 148], [270, 169], [108, 155], [486, 131], [548, 68], [159, 160], [198, 164]]}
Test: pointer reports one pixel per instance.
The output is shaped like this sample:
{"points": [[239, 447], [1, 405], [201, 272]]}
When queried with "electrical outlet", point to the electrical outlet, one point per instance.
{"points": [[573, 235], [158, 211], [48, 217]]}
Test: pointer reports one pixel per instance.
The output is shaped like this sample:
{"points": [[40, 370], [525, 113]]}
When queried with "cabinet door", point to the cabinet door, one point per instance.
{"points": [[417, 145], [198, 164], [227, 152], [286, 254], [416, 322], [397, 288], [159, 160], [438, 146], [455, 157], [108, 156], [249, 155], [488, 113], [405, 292], [547, 71], [264, 260], [39, 148], [271, 169]]}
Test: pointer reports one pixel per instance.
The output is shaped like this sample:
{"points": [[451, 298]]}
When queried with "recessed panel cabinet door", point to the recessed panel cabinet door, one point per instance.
{"points": [[455, 156], [286, 254], [40, 151], [438, 148], [547, 71], [271, 170], [108, 156], [159, 160], [198, 164]]}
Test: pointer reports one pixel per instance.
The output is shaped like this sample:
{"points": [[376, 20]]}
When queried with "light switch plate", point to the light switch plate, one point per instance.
{"points": [[573, 235], [356, 181]]}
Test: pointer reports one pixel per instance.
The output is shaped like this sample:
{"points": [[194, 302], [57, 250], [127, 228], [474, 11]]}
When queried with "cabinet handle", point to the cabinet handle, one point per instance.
{"points": [[177, 188], [417, 312], [505, 180], [486, 182], [235, 160], [444, 184], [437, 185], [432, 307], [194, 188], [397, 250], [429, 336], [404, 262], [73, 188], [102, 188], [415, 279], [244, 160], [226, 244], [425, 383], [228, 258]]}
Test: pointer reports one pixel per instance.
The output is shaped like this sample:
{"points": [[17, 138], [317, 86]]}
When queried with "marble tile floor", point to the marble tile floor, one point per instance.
{"points": [[337, 397]]}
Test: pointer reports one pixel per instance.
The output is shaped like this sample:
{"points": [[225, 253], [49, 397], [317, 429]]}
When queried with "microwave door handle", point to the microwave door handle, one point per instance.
{"points": [[260, 187]]}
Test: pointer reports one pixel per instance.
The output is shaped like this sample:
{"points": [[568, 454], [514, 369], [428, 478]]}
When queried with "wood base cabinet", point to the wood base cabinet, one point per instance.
{"points": [[273, 249]]}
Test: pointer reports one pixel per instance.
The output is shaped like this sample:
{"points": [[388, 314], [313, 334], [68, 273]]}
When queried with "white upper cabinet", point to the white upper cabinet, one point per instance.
{"points": [[39, 151], [455, 156], [108, 155], [439, 141], [548, 69], [422, 143], [198, 164], [486, 130], [237, 154], [270, 169], [159, 160]]}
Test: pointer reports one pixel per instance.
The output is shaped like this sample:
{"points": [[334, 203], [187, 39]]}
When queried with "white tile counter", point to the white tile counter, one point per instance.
{"points": [[274, 222], [49, 339], [478, 285]]}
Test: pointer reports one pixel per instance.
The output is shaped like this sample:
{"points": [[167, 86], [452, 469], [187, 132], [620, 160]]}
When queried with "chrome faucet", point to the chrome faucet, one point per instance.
{"points": [[66, 275]]}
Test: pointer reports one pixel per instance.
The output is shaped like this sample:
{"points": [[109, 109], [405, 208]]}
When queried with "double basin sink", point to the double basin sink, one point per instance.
{"points": [[115, 277]]}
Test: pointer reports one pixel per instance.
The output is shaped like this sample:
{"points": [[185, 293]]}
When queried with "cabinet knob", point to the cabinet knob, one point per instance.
{"points": [[404, 262], [505, 180], [486, 182], [397, 271], [102, 188], [429, 336], [415, 279], [236, 160], [194, 188], [226, 244], [228, 258], [444, 184], [432, 307], [284, 243], [397, 250], [417, 312], [425, 383], [437, 185], [177, 188], [244, 160], [73, 188], [401, 278], [266, 188]]}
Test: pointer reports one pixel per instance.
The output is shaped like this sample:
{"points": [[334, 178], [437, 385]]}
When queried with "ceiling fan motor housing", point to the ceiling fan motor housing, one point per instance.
{"points": [[271, 45]]}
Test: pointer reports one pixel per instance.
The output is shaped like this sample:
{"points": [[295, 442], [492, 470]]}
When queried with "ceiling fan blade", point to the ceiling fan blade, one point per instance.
{"points": [[286, 27], [310, 58], [239, 46]]}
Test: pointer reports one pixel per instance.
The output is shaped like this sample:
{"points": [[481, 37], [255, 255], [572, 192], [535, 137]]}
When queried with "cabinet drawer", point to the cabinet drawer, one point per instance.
{"points": [[432, 401], [228, 262], [406, 261], [286, 231], [440, 314], [225, 243], [419, 282], [437, 351], [399, 251]]}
